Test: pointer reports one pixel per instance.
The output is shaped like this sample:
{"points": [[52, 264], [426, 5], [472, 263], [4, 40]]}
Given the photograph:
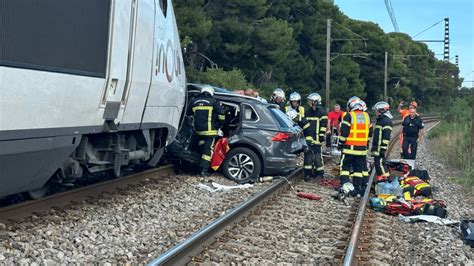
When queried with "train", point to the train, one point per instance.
{"points": [[86, 87]]}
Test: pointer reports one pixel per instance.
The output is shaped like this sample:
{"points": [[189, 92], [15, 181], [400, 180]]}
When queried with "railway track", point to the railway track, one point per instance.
{"points": [[276, 226], [62, 199]]}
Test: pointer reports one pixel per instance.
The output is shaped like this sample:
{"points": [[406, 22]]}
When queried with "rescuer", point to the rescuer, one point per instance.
{"points": [[278, 98], [308, 133], [295, 103], [412, 132], [208, 118], [381, 139], [318, 118], [353, 141]]}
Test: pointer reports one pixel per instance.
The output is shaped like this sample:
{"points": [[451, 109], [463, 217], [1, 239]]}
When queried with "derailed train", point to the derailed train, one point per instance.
{"points": [[86, 86]]}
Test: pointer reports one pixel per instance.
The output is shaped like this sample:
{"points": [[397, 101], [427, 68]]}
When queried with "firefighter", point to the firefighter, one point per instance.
{"points": [[353, 141], [278, 98], [295, 103], [208, 118], [318, 118], [308, 133], [412, 133], [381, 139]]}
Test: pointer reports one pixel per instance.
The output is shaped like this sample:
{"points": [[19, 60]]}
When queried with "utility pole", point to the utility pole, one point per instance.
{"points": [[328, 60], [472, 128], [446, 39], [385, 96]]}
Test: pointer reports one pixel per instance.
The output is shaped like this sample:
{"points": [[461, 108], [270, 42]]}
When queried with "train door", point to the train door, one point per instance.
{"points": [[122, 24], [140, 65]]}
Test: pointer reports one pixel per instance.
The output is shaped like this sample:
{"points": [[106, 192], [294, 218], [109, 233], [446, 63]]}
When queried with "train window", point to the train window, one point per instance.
{"points": [[55, 35], [164, 6]]}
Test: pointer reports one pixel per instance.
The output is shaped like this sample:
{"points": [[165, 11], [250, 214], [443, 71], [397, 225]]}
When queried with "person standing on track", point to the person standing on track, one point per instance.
{"points": [[353, 139], [381, 139], [334, 118], [412, 133], [208, 118], [404, 113], [318, 118]]}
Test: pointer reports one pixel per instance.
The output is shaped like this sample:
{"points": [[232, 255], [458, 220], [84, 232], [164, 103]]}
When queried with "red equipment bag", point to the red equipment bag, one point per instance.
{"points": [[220, 150], [308, 196]]}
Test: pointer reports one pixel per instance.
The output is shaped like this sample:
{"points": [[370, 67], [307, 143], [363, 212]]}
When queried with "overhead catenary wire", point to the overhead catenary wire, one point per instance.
{"points": [[391, 13], [428, 28]]}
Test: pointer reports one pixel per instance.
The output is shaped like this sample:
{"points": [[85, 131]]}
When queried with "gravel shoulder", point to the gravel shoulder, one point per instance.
{"points": [[426, 243], [130, 225]]}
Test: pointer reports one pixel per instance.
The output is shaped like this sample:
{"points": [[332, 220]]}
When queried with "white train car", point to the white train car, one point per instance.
{"points": [[86, 86]]}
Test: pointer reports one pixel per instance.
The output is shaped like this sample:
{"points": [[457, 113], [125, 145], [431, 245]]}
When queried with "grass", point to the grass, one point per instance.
{"points": [[452, 144]]}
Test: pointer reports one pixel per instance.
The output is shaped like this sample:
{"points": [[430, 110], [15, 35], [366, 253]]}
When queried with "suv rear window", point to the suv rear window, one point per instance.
{"points": [[283, 121]]}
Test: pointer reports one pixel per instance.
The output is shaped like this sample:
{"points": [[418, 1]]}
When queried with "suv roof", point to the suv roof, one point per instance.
{"points": [[224, 92]]}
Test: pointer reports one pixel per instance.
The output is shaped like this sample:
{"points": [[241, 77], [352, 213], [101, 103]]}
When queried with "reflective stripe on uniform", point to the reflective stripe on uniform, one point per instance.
{"points": [[354, 152], [201, 142], [207, 133], [221, 117], [306, 126], [357, 174], [308, 167], [206, 157], [209, 117], [345, 173], [359, 129]]}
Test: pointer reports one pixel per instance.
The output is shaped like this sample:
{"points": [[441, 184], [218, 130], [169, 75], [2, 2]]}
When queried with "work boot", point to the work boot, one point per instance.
{"points": [[204, 173]]}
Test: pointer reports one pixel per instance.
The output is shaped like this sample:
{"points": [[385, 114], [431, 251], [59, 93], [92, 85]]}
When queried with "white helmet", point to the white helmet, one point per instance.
{"points": [[208, 89], [356, 104], [294, 96], [278, 92], [292, 114], [383, 108], [314, 98], [352, 99]]}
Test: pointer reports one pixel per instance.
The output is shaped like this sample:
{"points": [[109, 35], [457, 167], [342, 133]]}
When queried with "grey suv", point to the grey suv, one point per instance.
{"points": [[262, 139]]}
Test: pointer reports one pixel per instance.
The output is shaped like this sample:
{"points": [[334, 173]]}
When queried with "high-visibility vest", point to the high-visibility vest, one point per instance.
{"points": [[359, 132], [300, 110]]}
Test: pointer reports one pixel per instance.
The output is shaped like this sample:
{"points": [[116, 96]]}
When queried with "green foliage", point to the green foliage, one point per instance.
{"points": [[283, 43], [233, 79], [452, 140]]}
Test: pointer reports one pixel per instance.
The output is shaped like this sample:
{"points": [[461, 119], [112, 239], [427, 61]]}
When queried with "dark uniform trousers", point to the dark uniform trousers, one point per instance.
{"points": [[409, 142], [313, 159], [380, 166], [206, 148], [356, 163]]}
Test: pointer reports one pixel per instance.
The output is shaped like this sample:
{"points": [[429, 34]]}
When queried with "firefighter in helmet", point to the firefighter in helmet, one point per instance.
{"points": [[318, 118], [381, 139], [208, 118], [353, 142], [308, 132], [278, 98], [295, 104]]}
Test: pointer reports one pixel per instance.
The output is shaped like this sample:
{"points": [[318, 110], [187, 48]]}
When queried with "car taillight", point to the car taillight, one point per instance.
{"points": [[281, 136]]}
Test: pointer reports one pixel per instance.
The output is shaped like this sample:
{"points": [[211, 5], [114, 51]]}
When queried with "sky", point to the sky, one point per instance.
{"points": [[414, 16]]}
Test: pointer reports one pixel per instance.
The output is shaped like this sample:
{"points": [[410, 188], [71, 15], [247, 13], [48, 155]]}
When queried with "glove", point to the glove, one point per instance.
{"points": [[220, 133]]}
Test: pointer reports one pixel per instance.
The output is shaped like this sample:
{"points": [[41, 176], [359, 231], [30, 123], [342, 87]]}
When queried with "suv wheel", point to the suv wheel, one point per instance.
{"points": [[241, 165]]}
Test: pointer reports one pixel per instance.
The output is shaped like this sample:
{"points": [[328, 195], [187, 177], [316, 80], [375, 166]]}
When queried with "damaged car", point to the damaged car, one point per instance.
{"points": [[261, 139]]}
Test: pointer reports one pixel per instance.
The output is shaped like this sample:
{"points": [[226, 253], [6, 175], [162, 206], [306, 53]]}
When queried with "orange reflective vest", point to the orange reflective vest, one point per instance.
{"points": [[359, 132]]}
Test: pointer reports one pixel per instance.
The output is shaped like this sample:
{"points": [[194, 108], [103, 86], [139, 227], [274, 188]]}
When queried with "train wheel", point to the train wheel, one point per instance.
{"points": [[39, 193]]}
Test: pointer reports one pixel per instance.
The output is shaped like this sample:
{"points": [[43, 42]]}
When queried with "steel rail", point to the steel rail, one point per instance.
{"points": [[184, 251], [27, 208], [352, 249]]}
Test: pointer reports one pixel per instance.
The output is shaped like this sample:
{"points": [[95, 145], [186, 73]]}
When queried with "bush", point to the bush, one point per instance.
{"points": [[233, 79]]}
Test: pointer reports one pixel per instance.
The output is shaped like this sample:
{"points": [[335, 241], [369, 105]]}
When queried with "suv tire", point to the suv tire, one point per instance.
{"points": [[241, 165]]}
